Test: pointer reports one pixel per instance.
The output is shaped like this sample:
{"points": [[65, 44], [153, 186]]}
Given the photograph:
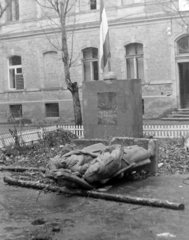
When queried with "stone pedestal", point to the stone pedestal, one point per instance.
{"points": [[112, 108]]}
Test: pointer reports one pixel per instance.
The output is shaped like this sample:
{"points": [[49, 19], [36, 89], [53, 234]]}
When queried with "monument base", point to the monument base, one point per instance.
{"points": [[112, 109]]}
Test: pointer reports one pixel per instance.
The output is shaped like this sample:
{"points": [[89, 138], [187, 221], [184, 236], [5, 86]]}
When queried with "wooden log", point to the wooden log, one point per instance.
{"points": [[21, 169], [98, 195]]}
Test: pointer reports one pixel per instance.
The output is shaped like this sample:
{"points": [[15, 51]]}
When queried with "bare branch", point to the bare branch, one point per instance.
{"points": [[75, 60], [67, 6], [174, 9], [48, 38], [3, 9], [46, 16]]}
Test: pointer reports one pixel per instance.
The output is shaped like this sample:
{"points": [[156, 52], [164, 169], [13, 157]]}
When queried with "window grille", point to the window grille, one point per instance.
{"points": [[52, 109]]}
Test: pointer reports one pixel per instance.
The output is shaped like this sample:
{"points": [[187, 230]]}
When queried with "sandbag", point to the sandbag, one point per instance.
{"points": [[105, 165], [54, 163], [97, 164]]}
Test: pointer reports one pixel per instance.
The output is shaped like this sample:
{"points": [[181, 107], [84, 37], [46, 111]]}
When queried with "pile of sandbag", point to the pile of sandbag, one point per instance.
{"points": [[94, 164]]}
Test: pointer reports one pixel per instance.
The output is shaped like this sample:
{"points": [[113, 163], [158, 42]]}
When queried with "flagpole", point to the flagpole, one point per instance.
{"points": [[109, 64]]}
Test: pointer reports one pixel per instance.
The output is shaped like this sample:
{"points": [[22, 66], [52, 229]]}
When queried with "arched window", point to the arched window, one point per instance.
{"points": [[134, 61], [183, 45], [183, 70], [90, 64], [16, 80]]}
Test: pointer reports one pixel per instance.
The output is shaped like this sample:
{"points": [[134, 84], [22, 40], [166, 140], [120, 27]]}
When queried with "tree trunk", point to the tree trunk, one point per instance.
{"points": [[106, 196], [72, 87], [76, 104]]}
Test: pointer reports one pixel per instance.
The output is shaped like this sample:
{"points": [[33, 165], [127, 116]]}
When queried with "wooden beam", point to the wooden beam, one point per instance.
{"points": [[106, 196]]}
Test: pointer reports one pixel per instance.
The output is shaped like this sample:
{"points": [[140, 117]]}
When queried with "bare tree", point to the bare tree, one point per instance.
{"points": [[4, 6], [62, 8], [173, 9]]}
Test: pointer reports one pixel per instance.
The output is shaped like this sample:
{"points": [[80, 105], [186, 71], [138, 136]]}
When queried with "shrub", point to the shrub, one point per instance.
{"points": [[58, 137]]}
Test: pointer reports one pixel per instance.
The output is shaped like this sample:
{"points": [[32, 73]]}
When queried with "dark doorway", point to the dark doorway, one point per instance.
{"points": [[184, 84]]}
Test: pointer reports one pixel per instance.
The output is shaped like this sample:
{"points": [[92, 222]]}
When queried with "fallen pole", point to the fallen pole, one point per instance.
{"points": [[98, 195], [21, 169]]}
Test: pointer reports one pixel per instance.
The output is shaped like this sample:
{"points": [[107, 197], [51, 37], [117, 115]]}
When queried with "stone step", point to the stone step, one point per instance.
{"points": [[180, 112], [178, 115], [175, 119]]}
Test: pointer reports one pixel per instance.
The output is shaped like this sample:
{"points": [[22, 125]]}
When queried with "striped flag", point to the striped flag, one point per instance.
{"points": [[104, 38]]}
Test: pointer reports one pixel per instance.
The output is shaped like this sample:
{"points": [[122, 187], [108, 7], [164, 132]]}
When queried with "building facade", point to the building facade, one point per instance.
{"points": [[149, 40]]}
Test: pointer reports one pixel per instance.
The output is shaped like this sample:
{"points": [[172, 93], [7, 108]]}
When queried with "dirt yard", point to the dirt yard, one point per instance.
{"points": [[76, 218], [24, 216]]}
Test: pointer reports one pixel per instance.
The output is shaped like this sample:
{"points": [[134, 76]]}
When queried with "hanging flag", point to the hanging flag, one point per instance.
{"points": [[104, 38]]}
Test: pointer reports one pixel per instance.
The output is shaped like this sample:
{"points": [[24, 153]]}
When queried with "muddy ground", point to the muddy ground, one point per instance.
{"points": [[77, 218]]}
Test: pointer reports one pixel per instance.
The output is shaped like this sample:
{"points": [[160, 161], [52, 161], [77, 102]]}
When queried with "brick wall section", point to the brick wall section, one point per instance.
{"points": [[159, 52], [28, 9], [51, 69]]}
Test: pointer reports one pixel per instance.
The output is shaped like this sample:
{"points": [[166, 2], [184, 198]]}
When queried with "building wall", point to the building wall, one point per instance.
{"points": [[135, 21]]}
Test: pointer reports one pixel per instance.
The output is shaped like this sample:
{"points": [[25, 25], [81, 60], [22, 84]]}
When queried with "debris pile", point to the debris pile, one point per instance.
{"points": [[173, 158], [91, 168]]}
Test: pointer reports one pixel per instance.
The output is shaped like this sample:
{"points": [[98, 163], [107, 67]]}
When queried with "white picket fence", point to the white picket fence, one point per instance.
{"points": [[33, 135], [166, 131], [157, 131]]}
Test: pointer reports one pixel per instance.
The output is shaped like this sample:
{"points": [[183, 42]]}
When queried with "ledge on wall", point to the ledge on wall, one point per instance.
{"points": [[52, 89], [34, 90], [15, 91]]}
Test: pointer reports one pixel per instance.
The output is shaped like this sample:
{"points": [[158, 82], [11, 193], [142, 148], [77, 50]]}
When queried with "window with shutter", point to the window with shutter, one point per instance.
{"points": [[16, 78], [19, 82]]}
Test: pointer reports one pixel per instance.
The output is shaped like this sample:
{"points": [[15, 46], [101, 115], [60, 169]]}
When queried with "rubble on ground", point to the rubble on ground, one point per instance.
{"points": [[172, 156]]}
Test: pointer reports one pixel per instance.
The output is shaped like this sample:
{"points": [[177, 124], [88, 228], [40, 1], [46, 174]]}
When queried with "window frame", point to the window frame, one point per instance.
{"points": [[13, 11], [46, 112], [12, 114], [177, 47], [90, 61], [15, 68], [93, 3], [134, 57]]}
